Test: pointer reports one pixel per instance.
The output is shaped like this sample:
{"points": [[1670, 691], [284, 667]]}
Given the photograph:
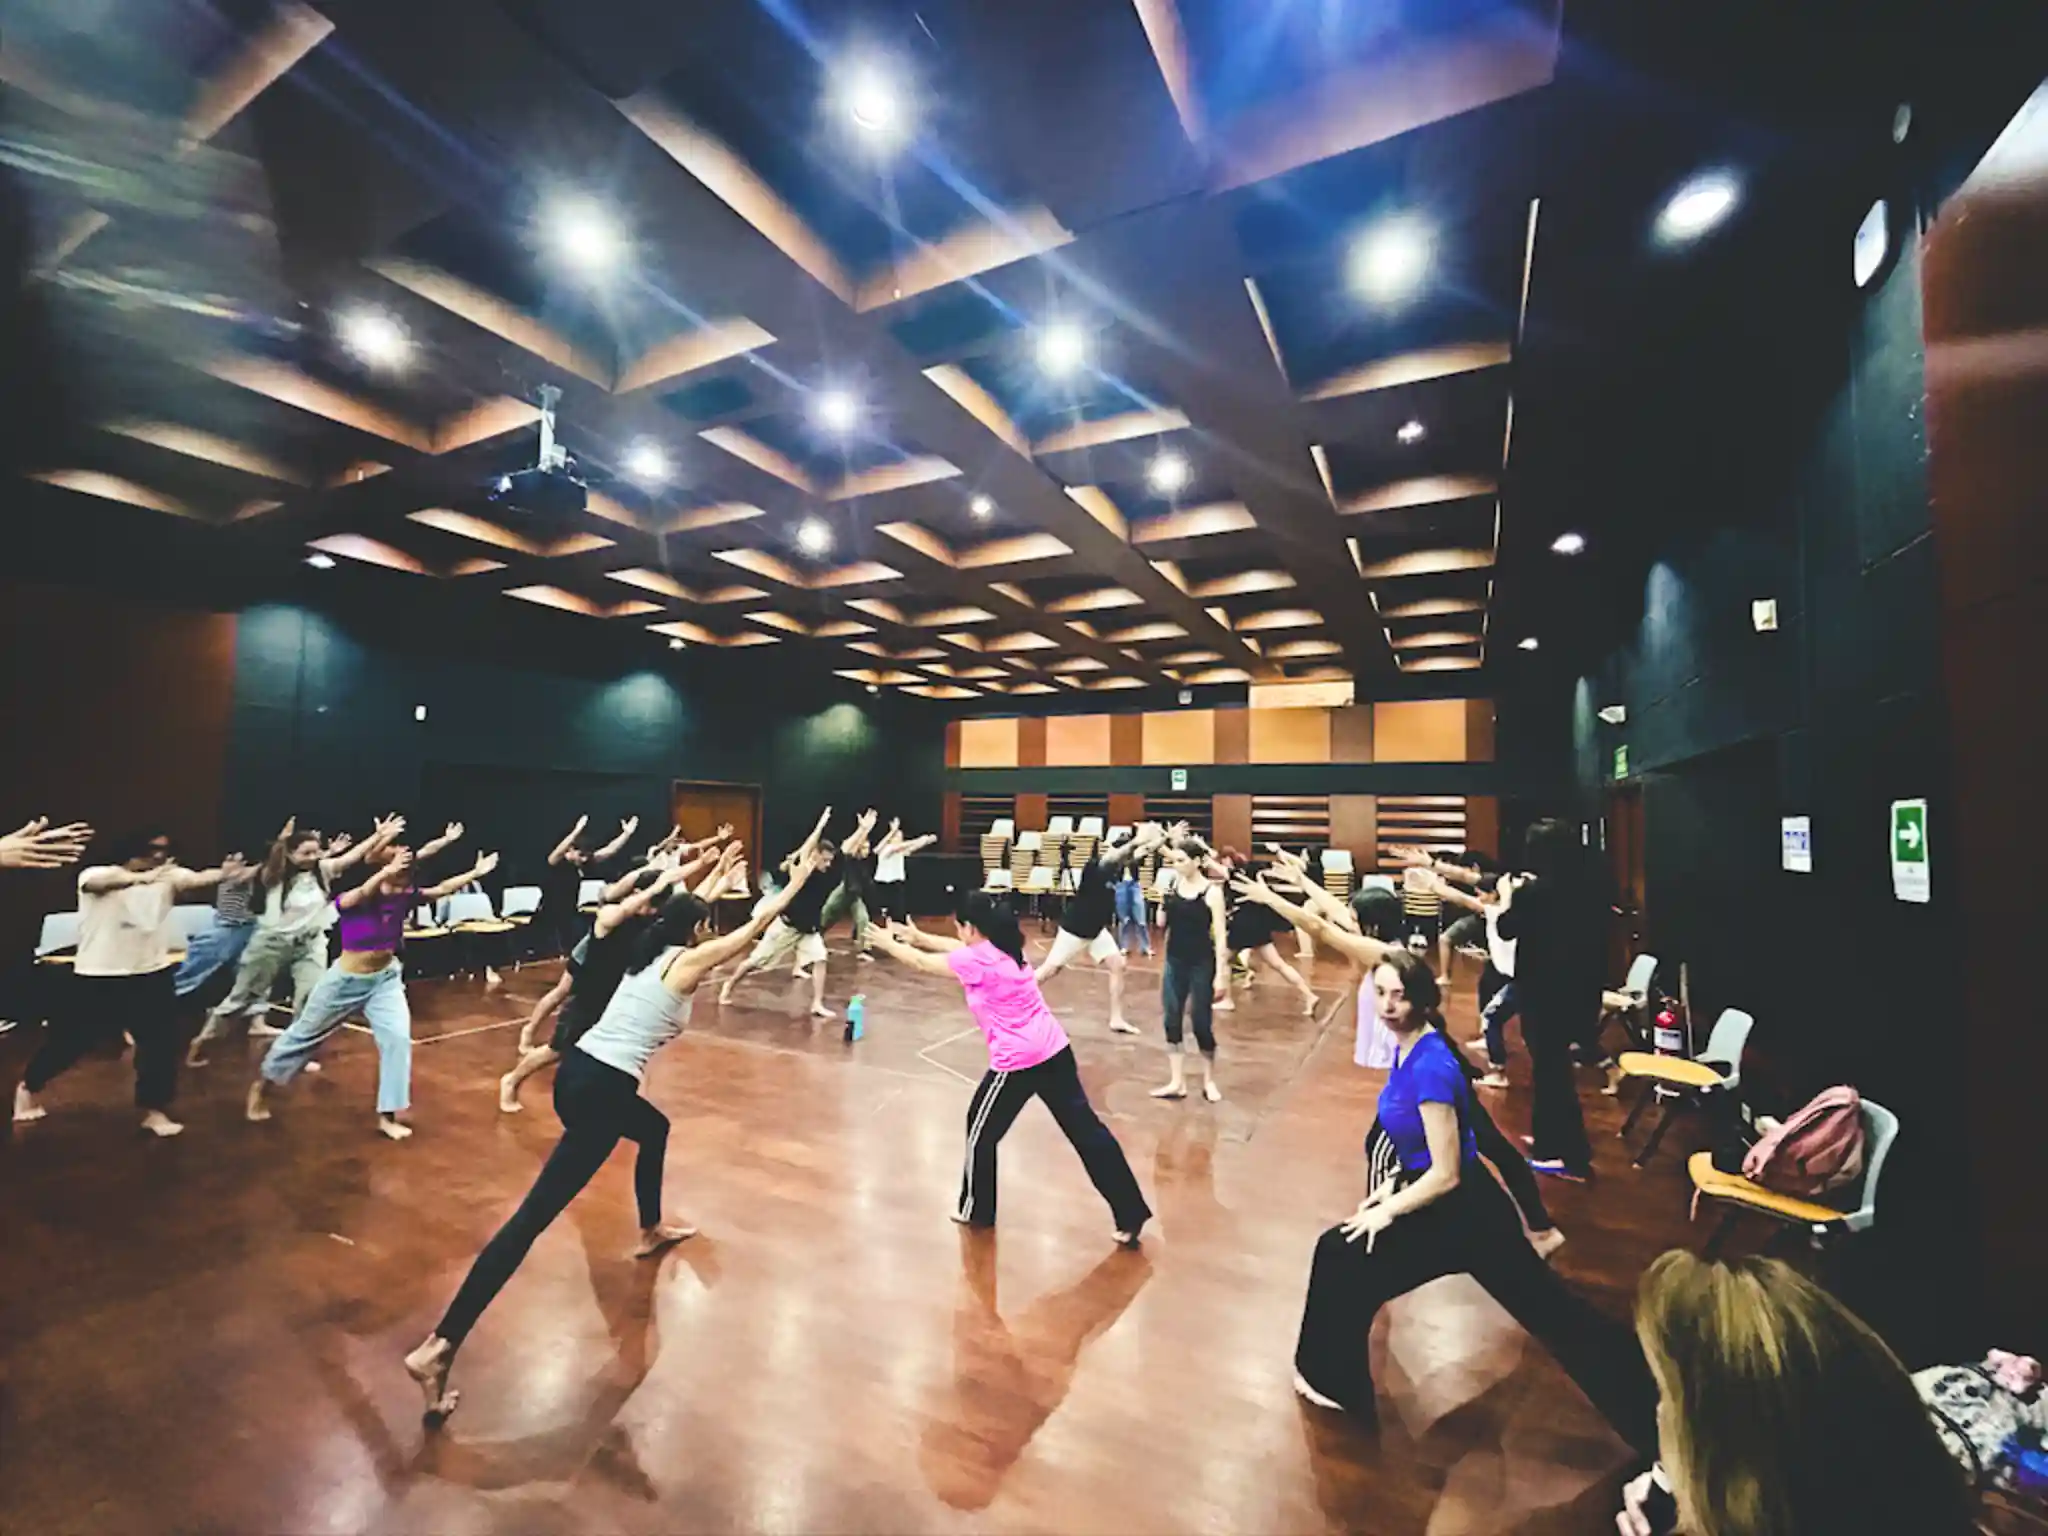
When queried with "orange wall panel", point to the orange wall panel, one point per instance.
{"points": [[1126, 740], [1077, 741], [1031, 742], [1233, 735], [1354, 826], [1031, 813], [1482, 824], [1231, 821], [1479, 730], [988, 743], [1290, 735], [1419, 731], [1125, 810], [1351, 734], [1180, 737]]}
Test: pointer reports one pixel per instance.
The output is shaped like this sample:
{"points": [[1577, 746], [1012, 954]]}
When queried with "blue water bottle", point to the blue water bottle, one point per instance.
{"points": [[856, 1017]]}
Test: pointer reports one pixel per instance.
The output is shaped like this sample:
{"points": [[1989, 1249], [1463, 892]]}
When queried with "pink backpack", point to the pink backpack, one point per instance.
{"points": [[1817, 1150]]}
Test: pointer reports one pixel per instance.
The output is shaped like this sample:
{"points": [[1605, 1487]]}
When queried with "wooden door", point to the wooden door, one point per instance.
{"points": [[1625, 872], [700, 808]]}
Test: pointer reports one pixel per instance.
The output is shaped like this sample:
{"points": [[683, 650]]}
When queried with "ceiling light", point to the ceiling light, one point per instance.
{"points": [[583, 235], [1411, 432], [835, 410], [874, 688], [675, 644], [1062, 349], [873, 97], [1873, 241], [646, 464], [1697, 206], [1390, 260], [1529, 643], [320, 562], [982, 506], [1568, 544], [1168, 473], [374, 337], [813, 536]]}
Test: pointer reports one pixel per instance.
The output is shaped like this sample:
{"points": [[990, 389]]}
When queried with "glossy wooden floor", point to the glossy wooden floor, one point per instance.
{"points": [[205, 1334]]}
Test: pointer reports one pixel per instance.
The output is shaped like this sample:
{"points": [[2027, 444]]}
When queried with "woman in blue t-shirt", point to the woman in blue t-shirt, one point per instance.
{"points": [[1432, 1209]]}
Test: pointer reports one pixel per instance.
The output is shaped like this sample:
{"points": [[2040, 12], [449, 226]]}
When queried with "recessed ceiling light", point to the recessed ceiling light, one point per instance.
{"points": [[1872, 243], [320, 562], [835, 410], [1168, 473], [1062, 348], [1697, 207], [1568, 544], [583, 235], [375, 337], [871, 95], [675, 643], [873, 688], [1390, 260], [813, 536], [1412, 432], [646, 464], [982, 506], [1529, 643]]}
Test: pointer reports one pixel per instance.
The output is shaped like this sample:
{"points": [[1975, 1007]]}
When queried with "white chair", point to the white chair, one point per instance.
{"points": [[60, 932], [1116, 834], [1063, 826], [470, 906], [1378, 883], [589, 892], [1004, 827], [1681, 1083], [1029, 842], [1091, 826], [999, 879], [1823, 1222], [520, 901]]}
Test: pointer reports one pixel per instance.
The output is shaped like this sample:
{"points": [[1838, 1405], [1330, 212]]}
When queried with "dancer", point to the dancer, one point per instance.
{"points": [[856, 874], [367, 979], [1195, 957], [1439, 1214], [569, 864], [601, 958], [888, 895], [1130, 913], [1497, 996], [1084, 925], [1250, 930], [671, 850], [218, 946], [1324, 916], [1028, 1056], [598, 1095], [121, 978], [35, 844], [294, 908], [797, 927]]}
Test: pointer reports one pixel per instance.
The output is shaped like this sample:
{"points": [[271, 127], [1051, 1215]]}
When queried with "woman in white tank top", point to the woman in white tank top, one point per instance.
{"points": [[597, 1094]]}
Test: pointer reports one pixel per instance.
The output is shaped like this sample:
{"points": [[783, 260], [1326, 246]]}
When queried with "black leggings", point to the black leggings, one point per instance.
{"points": [[995, 1107], [885, 901], [1189, 985], [1469, 1231], [598, 1104], [95, 1010]]}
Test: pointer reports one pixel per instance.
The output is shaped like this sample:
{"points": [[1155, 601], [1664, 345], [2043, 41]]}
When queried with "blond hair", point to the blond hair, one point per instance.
{"points": [[1783, 1413]]}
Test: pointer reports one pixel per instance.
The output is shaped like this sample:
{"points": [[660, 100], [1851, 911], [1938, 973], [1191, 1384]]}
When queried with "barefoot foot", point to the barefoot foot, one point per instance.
{"points": [[253, 1107], [1211, 1092], [508, 1095], [428, 1365], [820, 1011], [157, 1123], [392, 1126], [1122, 1027], [26, 1109], [1547, 1242], [1171, 1091], [666, 1235]]}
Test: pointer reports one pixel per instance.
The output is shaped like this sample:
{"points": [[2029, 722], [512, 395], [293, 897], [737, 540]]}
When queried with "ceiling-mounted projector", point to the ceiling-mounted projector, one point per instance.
{"points": [[552, 488]]}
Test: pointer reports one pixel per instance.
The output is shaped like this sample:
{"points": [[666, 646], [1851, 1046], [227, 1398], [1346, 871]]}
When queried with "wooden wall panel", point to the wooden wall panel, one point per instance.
{"points": [[1126, 740], [1479, 730], [988, 744], [1233, 735], [1031, 737], [949, 822], [1231, 817], [1031, 813], [1419, 731], [1290, 735], [1482, 824], [1126, 810], [1180, 738], [1351, 734], [1077, 741], [952, 743], [1355, 826]]}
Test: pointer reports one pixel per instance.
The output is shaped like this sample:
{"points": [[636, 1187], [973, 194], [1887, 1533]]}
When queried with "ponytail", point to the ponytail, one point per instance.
{"points": [[996, 921]]}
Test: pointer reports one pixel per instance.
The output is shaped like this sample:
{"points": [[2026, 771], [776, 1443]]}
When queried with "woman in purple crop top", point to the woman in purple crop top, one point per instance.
{"points": [[1028, 1057], [367, 979]]}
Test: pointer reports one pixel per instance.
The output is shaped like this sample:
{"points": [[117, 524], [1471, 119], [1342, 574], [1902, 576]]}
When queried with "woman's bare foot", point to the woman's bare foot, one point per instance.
{"points": [[1210, 1091], [194, 1056], [1222, 1005], [1546, 1242], [820, 1011], [1122, 1027], [253, 1107], [1171, 1091], [508, 1094], [1308, 1003], [392, 1126], [26, 1108], [157, 1123], [428, 1365], [666, 1235]]}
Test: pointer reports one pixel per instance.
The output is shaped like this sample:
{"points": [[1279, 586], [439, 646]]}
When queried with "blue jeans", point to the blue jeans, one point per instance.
{"points": [[215, 947], [340, 996], [1499, 1008], [1130, 916]]}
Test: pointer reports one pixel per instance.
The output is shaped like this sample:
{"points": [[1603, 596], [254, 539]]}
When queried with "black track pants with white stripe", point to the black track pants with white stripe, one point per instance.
{"points": [[994, 1108]]}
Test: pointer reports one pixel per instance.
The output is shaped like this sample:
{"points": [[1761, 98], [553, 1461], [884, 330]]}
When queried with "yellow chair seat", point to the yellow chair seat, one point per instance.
{"points": [[484, 925], [1675, 1070], [1709, 1180], [425, 933], [58, 960]]}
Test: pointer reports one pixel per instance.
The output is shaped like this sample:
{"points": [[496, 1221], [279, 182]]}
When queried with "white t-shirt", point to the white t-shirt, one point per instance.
{"points": [[1500, 950], [128, 932], [888, 868], [298, 907]]}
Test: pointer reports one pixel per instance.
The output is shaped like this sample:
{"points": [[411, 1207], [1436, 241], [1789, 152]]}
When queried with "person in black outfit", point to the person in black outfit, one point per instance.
{"points": [[799, 931], [569, 865], [1556, 920], [856, 885], [1195, 957], [1085, 923]]}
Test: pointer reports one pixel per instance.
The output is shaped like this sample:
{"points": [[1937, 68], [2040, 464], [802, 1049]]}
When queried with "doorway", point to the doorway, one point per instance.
{"points": [[1630, 919], [699, 807]]}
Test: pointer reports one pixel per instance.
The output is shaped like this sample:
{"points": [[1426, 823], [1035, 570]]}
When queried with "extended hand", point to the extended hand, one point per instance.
{"points": [[38, 845], [452, 833], [724, 831], [1368, 1222], [233, 867], [484, 866], [628, 825]]}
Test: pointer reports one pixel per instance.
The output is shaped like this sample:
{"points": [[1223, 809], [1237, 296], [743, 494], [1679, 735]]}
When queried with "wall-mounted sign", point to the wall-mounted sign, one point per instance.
{"points": [[1621, 761], [1910, 877], [1795, 843], [1180, 780]]}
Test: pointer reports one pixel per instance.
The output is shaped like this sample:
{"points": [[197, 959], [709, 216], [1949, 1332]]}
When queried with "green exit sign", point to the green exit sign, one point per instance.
{"points": [[1621, 761]]}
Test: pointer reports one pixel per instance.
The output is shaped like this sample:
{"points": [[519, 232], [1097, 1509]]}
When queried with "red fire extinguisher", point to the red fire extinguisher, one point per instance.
{"points": [[1668, 1029]]}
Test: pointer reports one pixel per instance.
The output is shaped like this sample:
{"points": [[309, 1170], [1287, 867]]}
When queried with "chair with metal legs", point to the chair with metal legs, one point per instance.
{"points": [[1823, 1223], [1680, 1083]]}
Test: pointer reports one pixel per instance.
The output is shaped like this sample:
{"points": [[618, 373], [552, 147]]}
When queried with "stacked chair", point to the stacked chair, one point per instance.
{"points": [[1339, 873], [995, 853]]}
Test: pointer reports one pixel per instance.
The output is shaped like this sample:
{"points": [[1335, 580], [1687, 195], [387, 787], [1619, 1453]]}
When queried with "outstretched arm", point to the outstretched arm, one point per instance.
{"points": [[38, 845], [476, 871], [937, 943], [386, 876], [561, 849], [1293, 874], [891, 942], [451, 833], [1143, 842], [627, 827], [381, 832], [1367, 952], [690, 967], [909, 845], [637, 902], [728, 863]]}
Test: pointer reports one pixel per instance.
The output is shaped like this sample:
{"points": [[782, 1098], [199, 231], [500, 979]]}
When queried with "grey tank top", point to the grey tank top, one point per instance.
{"points": [[641, 1018]]}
